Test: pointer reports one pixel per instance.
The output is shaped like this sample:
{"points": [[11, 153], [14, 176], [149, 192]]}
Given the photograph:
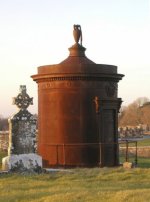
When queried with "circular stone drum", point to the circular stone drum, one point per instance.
{"points": [[78, 112]]}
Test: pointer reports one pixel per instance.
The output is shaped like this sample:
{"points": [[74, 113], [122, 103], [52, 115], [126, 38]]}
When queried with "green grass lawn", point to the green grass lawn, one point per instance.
{"points": [[142, 162], [140, 143], [145, 142], [79, 185]]}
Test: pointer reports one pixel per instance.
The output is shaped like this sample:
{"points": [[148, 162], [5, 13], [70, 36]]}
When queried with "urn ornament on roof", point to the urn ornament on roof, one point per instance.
{"points": [[77, 33]]}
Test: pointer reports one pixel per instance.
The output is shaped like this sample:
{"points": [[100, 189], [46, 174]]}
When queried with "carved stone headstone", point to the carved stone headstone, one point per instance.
{"points": [[22, 137]]}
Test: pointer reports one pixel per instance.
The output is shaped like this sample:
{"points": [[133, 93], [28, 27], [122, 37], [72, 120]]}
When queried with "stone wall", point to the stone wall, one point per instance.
{"points": [[4, 139], [141, 151]]}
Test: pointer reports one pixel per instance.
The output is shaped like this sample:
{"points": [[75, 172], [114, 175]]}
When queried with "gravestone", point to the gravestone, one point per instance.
{"points": [[22, 137]]}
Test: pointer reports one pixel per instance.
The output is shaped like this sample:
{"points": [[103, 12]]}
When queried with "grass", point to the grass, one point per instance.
{"points": [[79, 185], [145, 142], [140, 143], [143, 162]]}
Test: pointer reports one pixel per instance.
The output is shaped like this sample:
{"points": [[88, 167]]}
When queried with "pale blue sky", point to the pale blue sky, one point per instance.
{"points": [[39, 32]]}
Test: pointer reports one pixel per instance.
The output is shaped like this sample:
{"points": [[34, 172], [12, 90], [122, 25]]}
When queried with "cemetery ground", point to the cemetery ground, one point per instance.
{"points": [[79, 185]]}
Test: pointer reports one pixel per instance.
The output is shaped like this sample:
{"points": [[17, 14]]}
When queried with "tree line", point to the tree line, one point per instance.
{"points": [[136, 113], [3, 123]]}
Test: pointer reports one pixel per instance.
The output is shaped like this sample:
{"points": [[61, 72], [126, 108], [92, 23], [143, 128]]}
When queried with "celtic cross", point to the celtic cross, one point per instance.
{"points": [[22, 100]]}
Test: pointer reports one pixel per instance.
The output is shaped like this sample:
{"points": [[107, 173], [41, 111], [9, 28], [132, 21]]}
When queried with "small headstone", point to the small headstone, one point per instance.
{"points": [[128, 165], [22, 138]]}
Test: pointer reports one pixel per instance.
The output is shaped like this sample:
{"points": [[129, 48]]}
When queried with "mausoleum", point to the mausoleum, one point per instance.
{"points": [[78, 110]]}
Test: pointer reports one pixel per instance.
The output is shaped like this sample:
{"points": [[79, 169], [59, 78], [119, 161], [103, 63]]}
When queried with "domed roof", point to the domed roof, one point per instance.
{"points": [[78, 63], [77, 56]]}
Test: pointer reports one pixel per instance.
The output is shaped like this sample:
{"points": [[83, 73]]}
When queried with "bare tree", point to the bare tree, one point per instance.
{"points": [[141, 101], [133, 114]]}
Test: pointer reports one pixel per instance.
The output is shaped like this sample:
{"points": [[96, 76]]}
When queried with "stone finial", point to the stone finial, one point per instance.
{"points": [[22, 100], [77, 33]]}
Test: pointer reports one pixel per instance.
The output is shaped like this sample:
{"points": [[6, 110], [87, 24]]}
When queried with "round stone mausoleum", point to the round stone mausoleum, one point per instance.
{"points": [[78, 111]]}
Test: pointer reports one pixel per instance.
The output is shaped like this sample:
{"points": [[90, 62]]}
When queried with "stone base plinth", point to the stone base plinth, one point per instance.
{"points": [[22, 162], [127, 165]]}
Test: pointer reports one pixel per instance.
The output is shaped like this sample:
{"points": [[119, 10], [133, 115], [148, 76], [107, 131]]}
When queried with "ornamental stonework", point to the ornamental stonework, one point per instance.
{"points": [[22, 101], [23, 125], [111, 89], [22, 137], [70, 84]]}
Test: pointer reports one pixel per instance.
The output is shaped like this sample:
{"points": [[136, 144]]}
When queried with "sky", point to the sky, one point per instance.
{"points": [[39, 32]]}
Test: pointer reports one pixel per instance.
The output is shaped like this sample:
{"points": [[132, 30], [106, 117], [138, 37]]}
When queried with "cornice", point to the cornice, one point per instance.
{"points": [[88, 77]]}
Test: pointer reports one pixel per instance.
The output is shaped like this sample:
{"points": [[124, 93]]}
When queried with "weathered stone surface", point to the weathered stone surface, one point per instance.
{"points": [[72, 131], [4, 140], [22, 138], [22, 162], [22, 133], [128, 165]]}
